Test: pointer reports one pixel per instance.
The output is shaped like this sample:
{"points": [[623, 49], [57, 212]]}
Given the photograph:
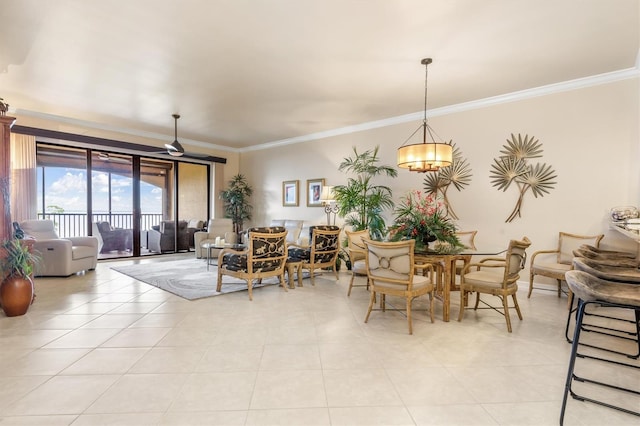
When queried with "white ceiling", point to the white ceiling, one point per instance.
{"points": [[250, 72]]}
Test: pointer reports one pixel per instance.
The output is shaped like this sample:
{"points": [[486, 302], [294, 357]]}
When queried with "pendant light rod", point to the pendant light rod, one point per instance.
{"points": [[425, 156]]}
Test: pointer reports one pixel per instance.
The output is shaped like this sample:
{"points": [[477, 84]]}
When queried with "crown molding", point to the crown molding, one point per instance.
{"points": [[566, 86], [579, 83]]}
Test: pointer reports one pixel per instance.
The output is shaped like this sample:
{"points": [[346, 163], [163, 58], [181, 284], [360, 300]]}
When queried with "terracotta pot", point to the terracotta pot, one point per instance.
{"points": [[16, 294]]}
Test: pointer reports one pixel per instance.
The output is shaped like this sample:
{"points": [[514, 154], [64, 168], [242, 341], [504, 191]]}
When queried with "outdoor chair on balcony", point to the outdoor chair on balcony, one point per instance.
{"points": [[162, 239], [112, 239]]}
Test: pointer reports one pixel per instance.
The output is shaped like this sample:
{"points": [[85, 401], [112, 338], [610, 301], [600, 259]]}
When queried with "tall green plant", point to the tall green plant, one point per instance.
{"points": [[236, 201], [361, 202]]}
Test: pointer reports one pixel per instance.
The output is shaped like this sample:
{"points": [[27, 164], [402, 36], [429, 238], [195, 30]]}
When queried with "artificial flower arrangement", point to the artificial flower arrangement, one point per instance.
{"points": [[421, 217]]}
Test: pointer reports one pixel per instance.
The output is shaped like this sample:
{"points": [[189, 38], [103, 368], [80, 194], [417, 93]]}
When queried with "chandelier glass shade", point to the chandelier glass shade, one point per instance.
{"points": [[426, 156]]}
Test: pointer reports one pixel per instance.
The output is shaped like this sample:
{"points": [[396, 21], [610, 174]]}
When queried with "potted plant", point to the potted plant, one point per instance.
{"points": [[17, 263], [361, 202], [421, 217], [236, 202]]}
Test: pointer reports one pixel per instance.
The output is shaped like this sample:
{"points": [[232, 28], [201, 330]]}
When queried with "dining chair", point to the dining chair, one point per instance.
{"points": [[264, 256], [467, 238], [497, 277], [555, 263], [391, 271], [322, 252], [357, 254]]}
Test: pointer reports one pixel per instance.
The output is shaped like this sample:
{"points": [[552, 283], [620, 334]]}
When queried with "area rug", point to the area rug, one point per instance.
{"points": [[187, 278]]}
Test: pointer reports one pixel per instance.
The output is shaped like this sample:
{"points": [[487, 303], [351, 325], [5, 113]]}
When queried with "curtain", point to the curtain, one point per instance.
{"points": [[23, 178]]}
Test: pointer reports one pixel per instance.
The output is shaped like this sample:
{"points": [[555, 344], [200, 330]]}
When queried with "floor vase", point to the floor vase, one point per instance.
{"points": [[16, 295]]}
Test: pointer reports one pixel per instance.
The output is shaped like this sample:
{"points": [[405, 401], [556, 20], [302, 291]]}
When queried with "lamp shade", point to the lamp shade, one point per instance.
{"points": [[425, 157], [327, 194]]}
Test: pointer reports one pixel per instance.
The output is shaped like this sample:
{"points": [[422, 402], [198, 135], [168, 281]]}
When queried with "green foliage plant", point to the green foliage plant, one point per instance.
{"points": [[361, 201], [18, 260], [236, 201]]}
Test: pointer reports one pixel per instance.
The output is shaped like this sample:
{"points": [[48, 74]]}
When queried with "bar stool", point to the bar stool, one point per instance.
{"points": [[609, 273], [589, 289]]}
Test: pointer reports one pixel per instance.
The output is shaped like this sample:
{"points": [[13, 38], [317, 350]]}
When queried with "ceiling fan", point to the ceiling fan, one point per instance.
{"points": [[175, 149]]}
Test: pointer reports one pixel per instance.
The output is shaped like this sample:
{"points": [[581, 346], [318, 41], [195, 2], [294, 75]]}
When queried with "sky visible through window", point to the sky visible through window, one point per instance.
{"points": [[65, 191]]}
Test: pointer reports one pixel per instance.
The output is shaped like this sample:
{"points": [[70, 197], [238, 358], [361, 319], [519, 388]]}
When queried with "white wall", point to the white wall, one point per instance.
{"points": [[589, 136]]}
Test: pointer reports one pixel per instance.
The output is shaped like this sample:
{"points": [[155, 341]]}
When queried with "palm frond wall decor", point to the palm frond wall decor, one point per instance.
{"points": [[457, 174], [512, 167]]}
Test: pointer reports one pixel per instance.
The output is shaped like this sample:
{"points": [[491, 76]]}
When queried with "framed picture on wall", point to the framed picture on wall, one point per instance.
{"points": [[314, 189], [290, 193]]}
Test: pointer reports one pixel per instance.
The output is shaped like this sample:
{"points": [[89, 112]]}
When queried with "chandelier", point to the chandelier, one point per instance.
{"points": [[425, 156]]}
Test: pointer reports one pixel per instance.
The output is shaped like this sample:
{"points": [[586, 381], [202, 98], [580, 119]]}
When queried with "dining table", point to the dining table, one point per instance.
{"points": [[445, 267]]}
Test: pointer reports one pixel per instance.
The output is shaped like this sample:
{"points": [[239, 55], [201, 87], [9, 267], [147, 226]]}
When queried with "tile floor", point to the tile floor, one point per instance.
{"points": [[102, 348]]}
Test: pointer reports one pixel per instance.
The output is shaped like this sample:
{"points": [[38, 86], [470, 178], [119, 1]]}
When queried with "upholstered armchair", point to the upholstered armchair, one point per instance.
{"points": [[61, 257], [216, 228], [496, 277], [264, 256], [555, 263], [193, 226], [162, 239], [391, 270], [357, 253], [322, 252]]}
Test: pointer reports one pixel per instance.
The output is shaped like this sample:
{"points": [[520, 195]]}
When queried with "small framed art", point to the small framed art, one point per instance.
{"points": [[290, 193], [314, 189]]}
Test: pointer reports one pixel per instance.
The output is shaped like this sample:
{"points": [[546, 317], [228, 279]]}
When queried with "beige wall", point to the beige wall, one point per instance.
{"points": [[589, 136]]}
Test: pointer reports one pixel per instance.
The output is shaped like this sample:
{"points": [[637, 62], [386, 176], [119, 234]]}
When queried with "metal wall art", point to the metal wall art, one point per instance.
{"points": [[513, 167], [457, 174]]}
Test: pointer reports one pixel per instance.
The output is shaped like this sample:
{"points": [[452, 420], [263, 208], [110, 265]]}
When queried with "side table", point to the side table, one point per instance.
{"points": [[293, 265]]}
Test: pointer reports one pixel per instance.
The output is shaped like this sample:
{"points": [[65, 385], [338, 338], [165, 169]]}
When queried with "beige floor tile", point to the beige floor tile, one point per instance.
{"points": [[370, 416], [294, 417], [300, 357], [169, 360], [357, 388], [136, 338], [216, 391], [454, 415], [230, 358], [205, 418], [47, 362], [188, 337], [106, 361], [67, 322], [119, 419], [289, 389], [290, 357], [84, 338], [340, 356], [50, 420], [430, 385], [139, 393], [62, 395]]}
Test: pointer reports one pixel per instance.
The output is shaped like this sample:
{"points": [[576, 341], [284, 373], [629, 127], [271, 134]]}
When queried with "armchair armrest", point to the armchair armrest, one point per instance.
{"points": [[300, 246], [230, 250], [84, 241], [556, 251], [489, 262]]}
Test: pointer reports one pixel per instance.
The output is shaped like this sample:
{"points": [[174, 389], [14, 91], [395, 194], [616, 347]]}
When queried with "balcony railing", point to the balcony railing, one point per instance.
{"points": [[75, 224]]}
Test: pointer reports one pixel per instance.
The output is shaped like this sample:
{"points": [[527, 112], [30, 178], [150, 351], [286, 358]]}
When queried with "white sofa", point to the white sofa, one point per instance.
{"points": [[61, 257], [222, 228], [294, 229]]}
